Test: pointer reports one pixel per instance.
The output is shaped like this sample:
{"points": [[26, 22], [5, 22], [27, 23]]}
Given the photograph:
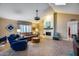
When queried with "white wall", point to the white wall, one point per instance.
{"points": [[61, 24]]}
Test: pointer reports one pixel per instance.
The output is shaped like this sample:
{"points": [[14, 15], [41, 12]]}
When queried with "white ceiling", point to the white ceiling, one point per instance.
{"points": [[22, 11], [26, 11], [70, 8]]}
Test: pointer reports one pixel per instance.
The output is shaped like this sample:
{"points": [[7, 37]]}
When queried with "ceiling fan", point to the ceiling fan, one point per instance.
{"points": [[37, 17]]}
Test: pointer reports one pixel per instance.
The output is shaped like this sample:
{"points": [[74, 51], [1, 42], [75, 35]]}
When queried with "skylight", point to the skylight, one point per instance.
{"points": [[60, 3]]}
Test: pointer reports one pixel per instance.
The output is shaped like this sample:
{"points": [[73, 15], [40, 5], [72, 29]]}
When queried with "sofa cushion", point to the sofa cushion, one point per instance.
{"points": [[2, 39]]}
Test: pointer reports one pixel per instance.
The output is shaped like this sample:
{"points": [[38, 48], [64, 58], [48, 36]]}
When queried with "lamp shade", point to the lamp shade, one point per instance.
{"points": [[18, 30]]}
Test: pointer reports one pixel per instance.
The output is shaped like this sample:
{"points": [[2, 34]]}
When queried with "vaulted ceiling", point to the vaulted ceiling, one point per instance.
{"points": [[70, 8], [26, 11], [23, 11]]}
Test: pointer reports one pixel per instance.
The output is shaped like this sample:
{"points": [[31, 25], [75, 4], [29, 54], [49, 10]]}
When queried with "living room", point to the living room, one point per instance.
{"points": [[42, 29]]}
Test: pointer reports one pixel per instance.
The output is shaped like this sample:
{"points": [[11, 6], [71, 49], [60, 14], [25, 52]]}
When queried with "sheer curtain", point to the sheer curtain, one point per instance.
{"points": [[25, 28]]}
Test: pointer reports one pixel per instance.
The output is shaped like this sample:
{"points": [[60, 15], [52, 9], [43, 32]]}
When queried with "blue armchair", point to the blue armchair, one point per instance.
{"points": [[17, 45], [56, 36]]}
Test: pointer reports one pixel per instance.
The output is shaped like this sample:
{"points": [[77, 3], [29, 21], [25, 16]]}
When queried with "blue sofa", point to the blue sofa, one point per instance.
{"points": [[17, 45], [3, 39]]}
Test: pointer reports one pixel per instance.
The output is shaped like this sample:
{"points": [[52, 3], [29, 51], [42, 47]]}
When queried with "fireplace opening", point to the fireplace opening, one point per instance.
{"points": [[48, 33]]}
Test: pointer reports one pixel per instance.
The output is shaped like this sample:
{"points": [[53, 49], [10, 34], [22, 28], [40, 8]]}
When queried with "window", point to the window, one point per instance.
{"points": [[25, 28]]}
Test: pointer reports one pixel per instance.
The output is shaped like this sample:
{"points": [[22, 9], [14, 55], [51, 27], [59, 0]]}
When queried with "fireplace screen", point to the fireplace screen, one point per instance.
{"points": [[48, 33]]}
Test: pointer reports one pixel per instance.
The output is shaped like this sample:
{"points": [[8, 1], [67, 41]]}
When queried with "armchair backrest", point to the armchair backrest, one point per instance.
{"points": [[11, 38], [56, 34]]}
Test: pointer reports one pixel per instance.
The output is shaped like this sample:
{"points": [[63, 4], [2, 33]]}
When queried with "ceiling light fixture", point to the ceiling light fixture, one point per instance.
{"points": [[60, 3], [37, 17]]}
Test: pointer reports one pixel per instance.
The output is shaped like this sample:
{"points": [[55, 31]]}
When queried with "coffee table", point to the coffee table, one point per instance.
{"points": [[35, 40]]}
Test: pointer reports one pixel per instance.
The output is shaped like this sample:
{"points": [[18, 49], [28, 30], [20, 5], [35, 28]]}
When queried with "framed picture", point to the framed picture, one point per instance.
{"points": [[10, 27]]}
